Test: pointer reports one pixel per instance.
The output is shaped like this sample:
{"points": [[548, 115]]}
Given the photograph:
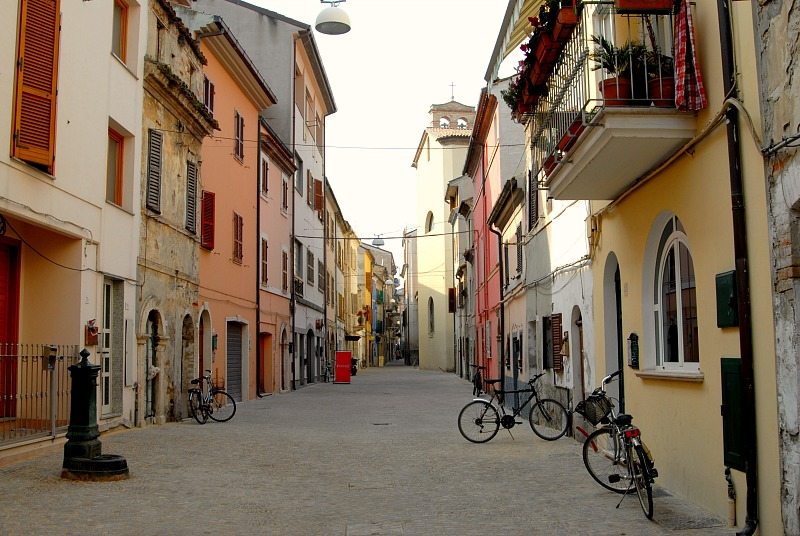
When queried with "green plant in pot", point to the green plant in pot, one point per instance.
{"points": [[626, 66], [661, 79]]}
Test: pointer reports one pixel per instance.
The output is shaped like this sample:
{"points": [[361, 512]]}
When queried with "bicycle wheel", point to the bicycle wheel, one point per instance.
{"points": [[195, 407], [641, 479], [549, 419], [479, 421], [222, 407], [604, 458]]}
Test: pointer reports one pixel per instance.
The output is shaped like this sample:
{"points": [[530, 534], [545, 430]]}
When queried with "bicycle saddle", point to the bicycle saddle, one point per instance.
{"points": [[195, 381], [623, 420]]}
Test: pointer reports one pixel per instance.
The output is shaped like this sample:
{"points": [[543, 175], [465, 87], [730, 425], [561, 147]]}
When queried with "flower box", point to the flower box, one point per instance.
{"points": [[547, 50], [568, 139], [644, 6], [566, 20]]}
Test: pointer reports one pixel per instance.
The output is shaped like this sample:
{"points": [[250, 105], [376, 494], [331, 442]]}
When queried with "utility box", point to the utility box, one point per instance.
{"points": [[727, 302]]}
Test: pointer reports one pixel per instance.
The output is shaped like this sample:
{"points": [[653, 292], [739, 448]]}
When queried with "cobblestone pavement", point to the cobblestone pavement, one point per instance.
{"points": [[380, 456]]}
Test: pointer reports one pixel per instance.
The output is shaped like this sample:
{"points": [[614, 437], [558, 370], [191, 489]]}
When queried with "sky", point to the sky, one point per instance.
{"points": [[399, 58]]}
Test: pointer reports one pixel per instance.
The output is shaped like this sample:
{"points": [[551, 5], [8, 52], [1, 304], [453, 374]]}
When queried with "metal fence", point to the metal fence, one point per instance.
{"points": [[34, 390]]}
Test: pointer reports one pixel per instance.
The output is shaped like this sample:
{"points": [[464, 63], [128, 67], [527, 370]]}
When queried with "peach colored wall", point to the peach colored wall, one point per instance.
{"points": [[229, 289]]}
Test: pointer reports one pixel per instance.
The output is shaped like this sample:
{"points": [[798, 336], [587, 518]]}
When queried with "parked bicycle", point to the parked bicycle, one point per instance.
{"points": [[614, 454], [480, 420], [215, 403]]}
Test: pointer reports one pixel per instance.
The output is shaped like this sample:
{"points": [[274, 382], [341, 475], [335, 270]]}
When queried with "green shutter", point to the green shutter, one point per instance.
{"points": [[732, 414]]}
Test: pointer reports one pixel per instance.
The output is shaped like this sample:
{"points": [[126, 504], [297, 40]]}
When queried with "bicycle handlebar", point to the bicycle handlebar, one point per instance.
{"points": [[611, 376], [536, 377]]}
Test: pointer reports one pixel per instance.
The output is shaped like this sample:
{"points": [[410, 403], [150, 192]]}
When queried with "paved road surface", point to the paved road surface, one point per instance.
{"points": [[381, 456]]}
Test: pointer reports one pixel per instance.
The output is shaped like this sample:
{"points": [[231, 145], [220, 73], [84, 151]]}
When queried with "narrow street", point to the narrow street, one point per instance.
{"points": [[381, 456]]}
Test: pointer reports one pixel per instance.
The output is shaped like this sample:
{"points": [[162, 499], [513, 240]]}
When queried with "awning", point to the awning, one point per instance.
{"points": [[352, 338]]}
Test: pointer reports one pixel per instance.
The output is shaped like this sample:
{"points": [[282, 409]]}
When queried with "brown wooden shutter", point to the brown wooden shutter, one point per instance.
{"points": [[191, 197], [451, 300], [319, 198], [153, 194], [207, 220], [34, 127], [555, 326]]}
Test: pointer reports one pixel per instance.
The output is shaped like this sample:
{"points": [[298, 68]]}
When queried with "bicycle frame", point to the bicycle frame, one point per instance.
{"points": [[497, 398]]}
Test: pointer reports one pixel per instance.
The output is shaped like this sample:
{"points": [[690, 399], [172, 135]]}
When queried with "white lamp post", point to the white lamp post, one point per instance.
{"points": [[332, 20]]}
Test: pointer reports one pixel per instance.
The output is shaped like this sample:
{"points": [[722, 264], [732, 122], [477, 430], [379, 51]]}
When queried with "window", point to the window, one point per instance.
{"points": [[119, 33], [238, 238], [298, 176], [319, 131], [284, 192], [319, 197], [462, 123], [208, 94], [207, 220], [116, 145], [505, 264], [429, 222], [444, 122], [34, 123], [264, 175], [238, 125], [298, 259], [533, 200], [310, 268], [310, 189], [284, 271], [518, 238], [675, 306], [264, 257], [191, 197], [299, 86], [431, 323], [321, 276], [154, 150]]}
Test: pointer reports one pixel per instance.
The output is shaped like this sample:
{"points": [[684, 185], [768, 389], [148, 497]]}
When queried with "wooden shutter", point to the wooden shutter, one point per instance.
{"points": [[191, 197], [319, 198], [34, 127], [207, 220], [533, 201], [555, 326], [153, 195], [732, 413], [451, 300]]}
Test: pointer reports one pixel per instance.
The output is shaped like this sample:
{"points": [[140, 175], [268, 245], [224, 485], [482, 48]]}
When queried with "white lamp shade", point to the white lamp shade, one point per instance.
{"points": [[378, 242], [332, 21]]}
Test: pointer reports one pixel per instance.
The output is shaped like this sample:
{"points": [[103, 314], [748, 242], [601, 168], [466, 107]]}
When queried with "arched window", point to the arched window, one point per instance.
{"points": [[431, 324], [461, 123], [675, 301], [444, 122], [429, 222]]}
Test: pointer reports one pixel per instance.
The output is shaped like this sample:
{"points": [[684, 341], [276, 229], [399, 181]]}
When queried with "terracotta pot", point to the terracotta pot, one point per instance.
{"points": [[662, 92], [566, 20], [549, 165], [547, 50], [616, 91], [644, 6]]}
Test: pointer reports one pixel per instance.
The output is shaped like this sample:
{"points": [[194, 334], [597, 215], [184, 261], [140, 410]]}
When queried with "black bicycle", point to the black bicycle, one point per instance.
{"points": [[477, 380], [480, 420], [215, 403], [614, 454]]}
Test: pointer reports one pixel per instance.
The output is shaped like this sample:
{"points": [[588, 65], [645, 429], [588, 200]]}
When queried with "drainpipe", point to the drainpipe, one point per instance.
{"points": [[293, 300], [501, 341], [742, 272], [258, 265]]}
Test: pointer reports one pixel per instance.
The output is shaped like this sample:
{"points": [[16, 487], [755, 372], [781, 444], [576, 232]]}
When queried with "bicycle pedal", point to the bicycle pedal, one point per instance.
{"points": [[518, 422]]}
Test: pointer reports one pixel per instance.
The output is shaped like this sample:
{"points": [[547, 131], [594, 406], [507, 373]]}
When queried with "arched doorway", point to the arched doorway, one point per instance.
{"points": [[152, 364], [187, 364], [612, 327]]}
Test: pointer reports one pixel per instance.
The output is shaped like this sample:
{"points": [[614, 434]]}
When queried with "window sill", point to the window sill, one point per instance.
{"points": [[673, 375]]}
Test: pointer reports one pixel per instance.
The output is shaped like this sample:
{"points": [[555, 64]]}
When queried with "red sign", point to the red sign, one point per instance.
{"points": [[342, 372]]}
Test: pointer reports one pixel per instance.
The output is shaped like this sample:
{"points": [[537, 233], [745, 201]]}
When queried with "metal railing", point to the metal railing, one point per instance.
{"points": [[644, 51], [34, 390]]}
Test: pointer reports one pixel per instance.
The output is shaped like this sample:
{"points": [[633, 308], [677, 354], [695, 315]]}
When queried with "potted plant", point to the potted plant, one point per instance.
{"points": [[625, 64], [661, 79], [565, 21]]}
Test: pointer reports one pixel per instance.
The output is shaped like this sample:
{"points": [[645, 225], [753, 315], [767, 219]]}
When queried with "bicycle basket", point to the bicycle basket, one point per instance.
{"points": [[594, 408]]}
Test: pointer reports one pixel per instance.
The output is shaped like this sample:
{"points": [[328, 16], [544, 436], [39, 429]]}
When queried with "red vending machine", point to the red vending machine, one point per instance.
{"points": [[342, 372]]}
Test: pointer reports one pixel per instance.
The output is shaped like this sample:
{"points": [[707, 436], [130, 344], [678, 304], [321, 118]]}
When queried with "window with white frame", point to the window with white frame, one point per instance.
{"points": [[675, 301], [310, 267]]}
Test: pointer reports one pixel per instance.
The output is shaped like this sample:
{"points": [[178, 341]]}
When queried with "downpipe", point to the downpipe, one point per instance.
{"points": [[501, 345]]}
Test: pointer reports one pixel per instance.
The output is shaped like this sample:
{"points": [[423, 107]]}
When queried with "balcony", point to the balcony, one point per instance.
{"points": [[606, 114]]}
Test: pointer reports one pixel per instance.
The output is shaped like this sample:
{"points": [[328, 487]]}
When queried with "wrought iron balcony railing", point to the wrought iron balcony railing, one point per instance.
{"points": [[610, 61]]}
